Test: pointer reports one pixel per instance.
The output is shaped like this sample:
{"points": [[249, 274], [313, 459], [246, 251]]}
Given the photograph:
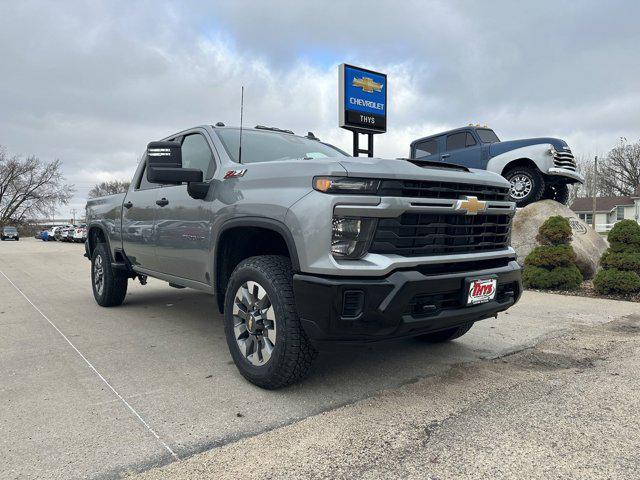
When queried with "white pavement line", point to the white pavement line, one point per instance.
{"points": [[90, 365]]}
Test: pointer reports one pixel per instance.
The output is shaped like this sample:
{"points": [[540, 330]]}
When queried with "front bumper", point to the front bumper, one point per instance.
{"points": [[403, 304], [563, 172]]}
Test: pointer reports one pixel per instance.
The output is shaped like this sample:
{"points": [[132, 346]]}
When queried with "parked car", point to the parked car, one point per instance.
{"points": [[304, 246], [79, 234], [9, 233], [54, 233], [61, 233], [537, 168]]}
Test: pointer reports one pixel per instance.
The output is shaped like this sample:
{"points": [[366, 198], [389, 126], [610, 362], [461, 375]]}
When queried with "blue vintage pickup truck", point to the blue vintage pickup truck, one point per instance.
{"points": [[537, 168]]}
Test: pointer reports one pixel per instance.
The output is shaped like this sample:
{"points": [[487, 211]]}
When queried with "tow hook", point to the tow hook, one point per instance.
{"points": [[143, 279]]}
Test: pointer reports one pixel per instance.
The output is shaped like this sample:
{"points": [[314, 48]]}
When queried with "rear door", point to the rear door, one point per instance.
{"points": [[138, 218], [183, 224], [462, 148]]}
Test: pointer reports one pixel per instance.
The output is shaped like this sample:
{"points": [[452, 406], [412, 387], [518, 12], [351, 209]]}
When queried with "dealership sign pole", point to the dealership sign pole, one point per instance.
{"points": [[363, 104]]}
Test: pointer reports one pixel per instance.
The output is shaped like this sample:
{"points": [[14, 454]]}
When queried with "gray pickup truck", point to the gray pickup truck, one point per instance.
{"points": [[305, 246]]}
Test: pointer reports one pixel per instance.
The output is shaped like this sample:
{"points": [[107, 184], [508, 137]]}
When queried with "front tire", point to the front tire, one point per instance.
{"points": [[527, 185], [446, 335], [263, 331], [109, 288]]}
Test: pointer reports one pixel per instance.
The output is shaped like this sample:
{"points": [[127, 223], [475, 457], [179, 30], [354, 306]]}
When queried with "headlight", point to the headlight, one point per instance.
{"points": [[552, 152], [346, 185], [351, 236]]}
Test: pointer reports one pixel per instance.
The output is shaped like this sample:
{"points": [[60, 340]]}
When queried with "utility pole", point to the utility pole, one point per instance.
{"points": [[594, 182], [73, 212]]}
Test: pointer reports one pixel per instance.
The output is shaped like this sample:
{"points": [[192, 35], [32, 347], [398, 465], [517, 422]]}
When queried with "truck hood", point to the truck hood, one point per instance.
{"points": [[403, 169], [502, 147]]}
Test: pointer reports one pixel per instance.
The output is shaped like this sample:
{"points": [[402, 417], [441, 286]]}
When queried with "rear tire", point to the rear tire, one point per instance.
{"points": [[109, 288], [258, 303], [527, 185], [446, 335]]}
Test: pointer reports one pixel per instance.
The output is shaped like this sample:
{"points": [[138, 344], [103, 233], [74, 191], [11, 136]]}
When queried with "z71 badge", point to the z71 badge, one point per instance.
{"points": [[235, 173]]}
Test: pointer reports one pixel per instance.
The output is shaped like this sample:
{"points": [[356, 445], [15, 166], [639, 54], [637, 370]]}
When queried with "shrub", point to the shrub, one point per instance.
{"points": [[555, 230], [561, 278], [551, 256], [621, 261], [625, 237], [616, 281]]}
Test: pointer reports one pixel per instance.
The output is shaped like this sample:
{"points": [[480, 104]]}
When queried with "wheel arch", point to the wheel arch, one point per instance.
{"points": [[95, 235], [519, 162], [274, 238]]}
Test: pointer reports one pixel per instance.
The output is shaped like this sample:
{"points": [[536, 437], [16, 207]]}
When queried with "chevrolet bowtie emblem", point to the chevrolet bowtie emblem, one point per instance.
{"points": [[367, 84], [471, 205]]}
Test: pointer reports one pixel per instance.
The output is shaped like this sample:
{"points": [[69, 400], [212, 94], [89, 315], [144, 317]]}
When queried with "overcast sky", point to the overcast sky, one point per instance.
{"points": [[91, 83]]}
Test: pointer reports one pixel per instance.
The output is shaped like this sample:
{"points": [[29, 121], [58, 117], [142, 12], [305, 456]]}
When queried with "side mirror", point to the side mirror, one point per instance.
{"points": [[164, 165]]}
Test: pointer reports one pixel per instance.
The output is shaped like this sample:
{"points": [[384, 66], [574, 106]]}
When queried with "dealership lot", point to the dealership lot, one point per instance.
{"points": [[93, 392]]}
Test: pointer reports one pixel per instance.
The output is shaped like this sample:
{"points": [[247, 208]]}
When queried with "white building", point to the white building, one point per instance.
{"points": [[609, 210]]}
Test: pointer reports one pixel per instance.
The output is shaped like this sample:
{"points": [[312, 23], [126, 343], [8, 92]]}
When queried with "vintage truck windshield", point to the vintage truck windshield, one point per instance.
{"points": [[269, 146], [487, 135]]}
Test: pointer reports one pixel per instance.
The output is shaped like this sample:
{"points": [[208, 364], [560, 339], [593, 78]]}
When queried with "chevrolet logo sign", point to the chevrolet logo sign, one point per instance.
{"points": [[471, 205], [367, 84]]}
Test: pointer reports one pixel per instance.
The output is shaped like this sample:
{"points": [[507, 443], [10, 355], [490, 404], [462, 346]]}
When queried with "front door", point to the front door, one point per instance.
{"points": [[183, 224], [463, 149], [138, 217]]}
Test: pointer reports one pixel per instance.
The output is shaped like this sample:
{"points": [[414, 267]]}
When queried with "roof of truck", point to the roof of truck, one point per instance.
{"points": [[454, 130]]}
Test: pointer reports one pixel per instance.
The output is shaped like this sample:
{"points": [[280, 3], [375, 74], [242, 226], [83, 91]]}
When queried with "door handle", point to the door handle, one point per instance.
{"points": [[127, 205], [162, 202], [445, 155]]}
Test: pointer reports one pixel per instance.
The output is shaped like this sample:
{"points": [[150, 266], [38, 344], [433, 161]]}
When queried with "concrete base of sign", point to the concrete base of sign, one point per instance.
{"points": [[588, 245]]}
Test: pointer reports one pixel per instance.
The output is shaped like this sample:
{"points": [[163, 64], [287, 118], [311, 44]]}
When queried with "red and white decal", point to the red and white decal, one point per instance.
{"points": [[481, 291], [235, 173]]}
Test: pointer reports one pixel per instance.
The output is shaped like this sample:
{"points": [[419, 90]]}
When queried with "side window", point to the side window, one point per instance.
{"points": [[429, 147], [197, 154], [456, 141], [470, 140]]}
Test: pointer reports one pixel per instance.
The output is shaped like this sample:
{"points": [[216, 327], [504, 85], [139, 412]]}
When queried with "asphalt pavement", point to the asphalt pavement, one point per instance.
{"points": [[89, 392]]}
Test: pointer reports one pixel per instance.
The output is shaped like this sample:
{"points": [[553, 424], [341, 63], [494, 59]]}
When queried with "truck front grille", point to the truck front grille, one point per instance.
{"points": [[564, 159], [423, 234], [447, 190]]}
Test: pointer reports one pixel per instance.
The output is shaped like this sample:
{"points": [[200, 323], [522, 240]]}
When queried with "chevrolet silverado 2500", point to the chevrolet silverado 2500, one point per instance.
{"points": [[304, 246]]}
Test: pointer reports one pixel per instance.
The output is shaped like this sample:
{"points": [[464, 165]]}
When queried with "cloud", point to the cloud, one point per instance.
{"points": [[91, 84]]}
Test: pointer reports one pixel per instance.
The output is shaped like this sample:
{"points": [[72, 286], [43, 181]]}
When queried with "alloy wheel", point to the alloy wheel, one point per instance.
{"points": [[254, 323], [521, 186], [98, 274]]}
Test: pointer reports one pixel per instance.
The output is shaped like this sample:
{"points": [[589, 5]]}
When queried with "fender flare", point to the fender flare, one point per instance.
{"points": [[536, 154], [93, 227], [261, 222]]}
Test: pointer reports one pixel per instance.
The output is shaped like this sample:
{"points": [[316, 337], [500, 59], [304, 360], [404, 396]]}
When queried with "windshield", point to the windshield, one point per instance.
{"points": [[269, 146], [10, 230], [487, 135]]}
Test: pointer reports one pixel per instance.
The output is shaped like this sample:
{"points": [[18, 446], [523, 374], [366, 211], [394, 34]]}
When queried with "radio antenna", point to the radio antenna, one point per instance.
{"points": [[241, 112]]}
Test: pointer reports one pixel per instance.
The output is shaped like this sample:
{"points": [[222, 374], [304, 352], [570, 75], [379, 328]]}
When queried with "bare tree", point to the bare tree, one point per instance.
{"points": [[620, 172], [109, 188], [29, 187]]}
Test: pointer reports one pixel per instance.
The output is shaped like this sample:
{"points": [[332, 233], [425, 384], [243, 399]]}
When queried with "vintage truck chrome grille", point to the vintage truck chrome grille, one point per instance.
{"points": [[434, 189], [564, 159], [418, 234]]}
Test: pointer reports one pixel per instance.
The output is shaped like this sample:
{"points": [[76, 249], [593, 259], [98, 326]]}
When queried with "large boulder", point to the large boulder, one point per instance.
{"points": [[588, 245]]}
